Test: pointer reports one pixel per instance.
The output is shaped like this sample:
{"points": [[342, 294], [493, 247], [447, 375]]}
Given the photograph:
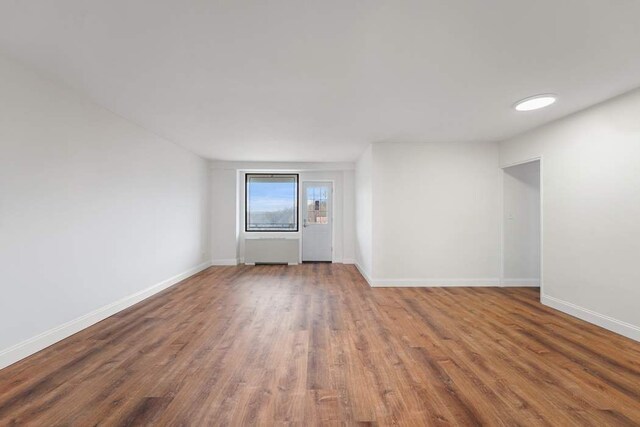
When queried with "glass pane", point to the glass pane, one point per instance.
{"points": [[317, 205], [272, 203]]}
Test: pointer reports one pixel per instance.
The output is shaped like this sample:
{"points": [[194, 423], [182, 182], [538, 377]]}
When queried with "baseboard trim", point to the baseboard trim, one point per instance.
{"points": [[32, 345], [349, 261], [435, 283], [364, 274], [426, 283], [625, 329], [225, 261], [533, 283]]}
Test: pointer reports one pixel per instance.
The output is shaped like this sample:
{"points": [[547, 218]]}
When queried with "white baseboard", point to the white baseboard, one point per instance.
{"points": [[364, 274], [52, 336], [434, 283], [626, 329], [348, 261], [426, 283], [227, 261], [533, 283]]}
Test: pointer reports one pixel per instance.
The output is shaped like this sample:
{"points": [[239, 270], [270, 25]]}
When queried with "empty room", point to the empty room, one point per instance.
{"points": [[320, 213]]}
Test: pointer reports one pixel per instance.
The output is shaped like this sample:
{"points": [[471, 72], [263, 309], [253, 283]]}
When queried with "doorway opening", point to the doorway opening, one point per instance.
{"points": [[522, 225]]}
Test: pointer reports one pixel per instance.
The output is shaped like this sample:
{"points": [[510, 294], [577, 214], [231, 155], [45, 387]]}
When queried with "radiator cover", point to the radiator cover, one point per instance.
{"points": [[272, 250]]}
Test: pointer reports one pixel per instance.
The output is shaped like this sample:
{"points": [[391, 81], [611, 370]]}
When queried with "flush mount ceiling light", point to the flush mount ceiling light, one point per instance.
{"points": [[535, 102]]}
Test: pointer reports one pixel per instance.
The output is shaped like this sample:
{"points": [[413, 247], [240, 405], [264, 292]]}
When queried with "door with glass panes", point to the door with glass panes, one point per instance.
{"points": [[317, 221]]}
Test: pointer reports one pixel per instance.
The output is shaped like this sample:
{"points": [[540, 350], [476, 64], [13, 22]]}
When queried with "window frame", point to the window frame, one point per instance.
{"points": [[246, 201]]}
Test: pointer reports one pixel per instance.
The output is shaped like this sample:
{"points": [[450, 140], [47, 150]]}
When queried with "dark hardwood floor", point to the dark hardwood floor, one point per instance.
{"points": [[314, 344]]}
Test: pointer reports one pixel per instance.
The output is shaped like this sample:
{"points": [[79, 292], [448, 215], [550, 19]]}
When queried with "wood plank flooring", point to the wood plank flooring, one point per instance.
{"points": [[313, 344]]}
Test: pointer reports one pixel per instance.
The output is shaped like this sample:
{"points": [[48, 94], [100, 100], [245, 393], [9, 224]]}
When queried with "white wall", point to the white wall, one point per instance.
{"points": [[591, 210], [224, 216], [93, 209], [228, 213], [364, 213], [436, 214], [521, 224], [349, 217]]}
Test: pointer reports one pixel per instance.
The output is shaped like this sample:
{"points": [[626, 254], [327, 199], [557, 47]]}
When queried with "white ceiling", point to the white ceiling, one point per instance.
{"points": [[294, 80]]}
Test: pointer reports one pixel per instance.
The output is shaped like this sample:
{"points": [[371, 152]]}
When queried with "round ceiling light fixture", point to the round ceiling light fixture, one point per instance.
{"points": [[535, 102]]}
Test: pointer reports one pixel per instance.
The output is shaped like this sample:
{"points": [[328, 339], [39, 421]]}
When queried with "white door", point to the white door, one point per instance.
{"points": [[317, 213]]}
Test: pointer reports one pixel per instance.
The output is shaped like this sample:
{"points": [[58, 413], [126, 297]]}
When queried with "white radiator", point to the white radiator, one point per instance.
{"points": [[271, 250]]}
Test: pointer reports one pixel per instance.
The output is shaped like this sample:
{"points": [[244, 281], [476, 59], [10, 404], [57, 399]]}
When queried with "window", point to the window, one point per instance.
{"points": [[271, 202], [317, 201]]}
